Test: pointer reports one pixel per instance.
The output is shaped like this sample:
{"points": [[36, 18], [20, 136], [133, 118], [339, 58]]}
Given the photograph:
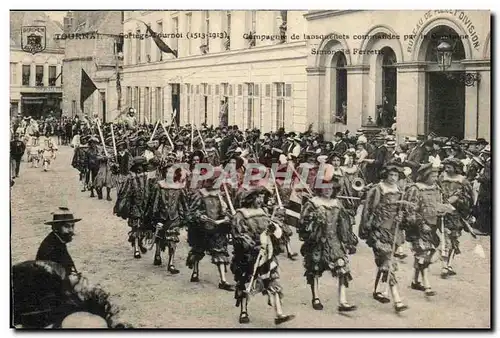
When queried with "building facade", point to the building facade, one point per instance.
{"points": [[363, 63], [92, 39], [247, 62], [35, 79]]}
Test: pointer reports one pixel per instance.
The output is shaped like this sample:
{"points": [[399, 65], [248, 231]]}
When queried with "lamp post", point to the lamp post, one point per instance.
{"points": [[444, 57]]}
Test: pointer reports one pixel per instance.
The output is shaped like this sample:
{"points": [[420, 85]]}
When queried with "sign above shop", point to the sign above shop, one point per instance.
{"points": [[467, 23]]}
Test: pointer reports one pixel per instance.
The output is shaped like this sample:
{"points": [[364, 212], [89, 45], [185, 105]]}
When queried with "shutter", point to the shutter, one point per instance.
{"points": [[240, 87], [289, 114], [230, 90], [210, 109], [244, 115], [272, 102], [209, 90], [268, 90], [257, 112], [230, 110], [216, 89]]}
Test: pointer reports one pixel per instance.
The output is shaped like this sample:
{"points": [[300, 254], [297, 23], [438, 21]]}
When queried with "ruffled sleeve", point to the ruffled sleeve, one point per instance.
{"points": [[371, 203]]}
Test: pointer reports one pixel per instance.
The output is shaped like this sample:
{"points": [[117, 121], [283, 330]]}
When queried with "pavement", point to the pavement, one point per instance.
{"points": [[149, 297]]}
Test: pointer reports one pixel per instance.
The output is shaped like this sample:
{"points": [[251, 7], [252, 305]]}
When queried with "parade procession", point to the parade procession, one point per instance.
{"points": [[180, 221]]}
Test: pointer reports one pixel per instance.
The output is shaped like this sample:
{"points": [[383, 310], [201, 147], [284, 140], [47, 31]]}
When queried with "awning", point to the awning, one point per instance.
{"points": [[33, 98]]}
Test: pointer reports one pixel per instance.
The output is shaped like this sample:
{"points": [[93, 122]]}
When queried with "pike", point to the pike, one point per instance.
{"points": [[154, 131]]}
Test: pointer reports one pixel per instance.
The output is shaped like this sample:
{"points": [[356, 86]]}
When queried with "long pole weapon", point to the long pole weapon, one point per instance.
{"points": [[154, 131], [102, 138], [114, 142]]}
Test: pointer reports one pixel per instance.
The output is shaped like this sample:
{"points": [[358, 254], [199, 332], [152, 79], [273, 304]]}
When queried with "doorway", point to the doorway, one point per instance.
{"points": [[445, 104], [176, 102]]}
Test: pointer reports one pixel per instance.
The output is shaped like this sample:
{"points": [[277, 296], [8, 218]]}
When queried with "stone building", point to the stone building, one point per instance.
{"points": [[91, 42], [387, 62], [35, 79], [249, 60]]}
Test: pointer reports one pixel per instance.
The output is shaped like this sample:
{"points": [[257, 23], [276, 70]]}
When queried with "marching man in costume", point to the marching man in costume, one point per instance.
{"points": [[254, 263], [167, 208], [382, 214], [130, 204], [326, 232], [423, 223], [457, 191], [208, 227]]}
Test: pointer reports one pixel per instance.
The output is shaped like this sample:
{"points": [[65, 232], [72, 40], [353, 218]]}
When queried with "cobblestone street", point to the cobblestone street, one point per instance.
{"points": [[150, 297]]}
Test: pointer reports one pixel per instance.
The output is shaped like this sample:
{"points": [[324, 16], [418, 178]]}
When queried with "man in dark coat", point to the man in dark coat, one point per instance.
{"points": [[17, 149], [340, 146], [53, 247]]}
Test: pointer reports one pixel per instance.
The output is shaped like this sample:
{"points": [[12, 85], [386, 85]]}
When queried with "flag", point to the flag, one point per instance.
{"points": [[87, 87], [159, 42]]}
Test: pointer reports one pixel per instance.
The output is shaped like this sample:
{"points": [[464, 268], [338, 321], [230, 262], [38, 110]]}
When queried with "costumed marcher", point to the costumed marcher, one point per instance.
{"points": [[208, 229], [380, 227], [167, 207], [17, 149], [326, 232], [254, 263], [423, 218], [131, 204], [92, 163], [106, 174], [457, 191], [49, 152]]}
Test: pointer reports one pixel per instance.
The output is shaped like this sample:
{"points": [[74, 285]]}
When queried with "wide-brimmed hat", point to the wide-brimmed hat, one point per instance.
{"points": [[455, 162], [393, 166], [62, 215], [425, 170], [93, 139], [137, 162], [481, 141]]}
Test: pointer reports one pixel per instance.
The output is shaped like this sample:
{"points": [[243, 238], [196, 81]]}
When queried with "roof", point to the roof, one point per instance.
{"points": [[91, 21], [18, 19]]}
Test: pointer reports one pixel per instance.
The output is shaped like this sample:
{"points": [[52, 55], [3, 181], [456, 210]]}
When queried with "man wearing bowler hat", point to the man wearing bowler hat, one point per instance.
{"points": [[53, 247]]}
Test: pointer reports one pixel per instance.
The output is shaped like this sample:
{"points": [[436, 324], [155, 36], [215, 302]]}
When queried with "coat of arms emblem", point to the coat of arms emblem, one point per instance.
{"points": [[33, 39]]}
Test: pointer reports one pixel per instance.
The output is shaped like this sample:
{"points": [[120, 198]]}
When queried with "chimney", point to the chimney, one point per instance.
{"points": [[68, 23]]}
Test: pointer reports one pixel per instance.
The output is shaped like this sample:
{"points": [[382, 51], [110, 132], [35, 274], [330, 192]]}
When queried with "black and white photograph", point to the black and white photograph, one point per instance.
{"points": [[250, 169]]}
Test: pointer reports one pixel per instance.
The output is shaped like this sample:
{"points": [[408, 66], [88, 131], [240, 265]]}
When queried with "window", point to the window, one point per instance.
{"points": [[129, 97], [52, 76], [129, 49], [137, 102], [159, 30], [26, 75], [147, 105], [147, 48], [250, 105], [254, 21], [39, 76], [340, 102], [61, 76], [389, 87], [280, 105], [188, 102], [73, 107], [138, 43], [175, 42], [159, 104], [227, 41], [189, 17], [13, 74]]}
